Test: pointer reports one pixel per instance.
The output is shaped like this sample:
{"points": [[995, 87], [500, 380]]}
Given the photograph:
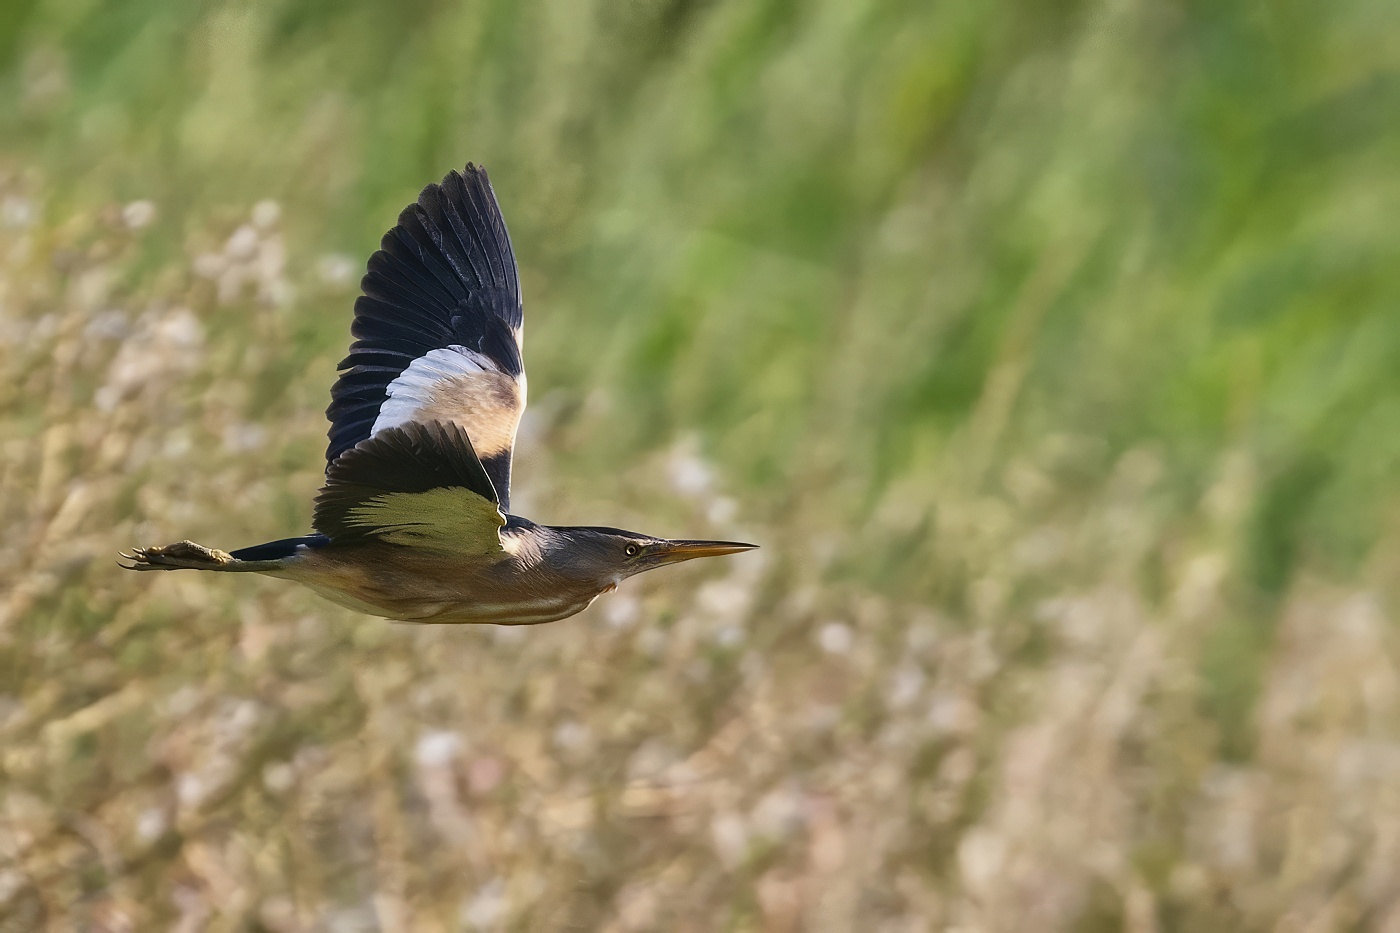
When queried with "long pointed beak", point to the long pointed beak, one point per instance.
{"points": [[673, 552]]}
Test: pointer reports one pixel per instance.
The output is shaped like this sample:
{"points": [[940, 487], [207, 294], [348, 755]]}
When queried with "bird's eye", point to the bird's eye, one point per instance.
{"points": [[633, 550]]}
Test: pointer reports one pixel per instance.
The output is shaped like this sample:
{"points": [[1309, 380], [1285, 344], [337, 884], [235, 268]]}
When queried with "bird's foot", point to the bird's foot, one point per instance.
{"points": [[184, 555]]}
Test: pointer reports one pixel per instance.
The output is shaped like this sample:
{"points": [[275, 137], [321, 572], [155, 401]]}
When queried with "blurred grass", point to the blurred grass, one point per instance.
{"points": [[1048, 348]]}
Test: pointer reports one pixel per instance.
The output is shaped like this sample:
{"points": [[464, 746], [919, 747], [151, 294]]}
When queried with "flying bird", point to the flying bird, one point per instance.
{"points": [[413, 522]]}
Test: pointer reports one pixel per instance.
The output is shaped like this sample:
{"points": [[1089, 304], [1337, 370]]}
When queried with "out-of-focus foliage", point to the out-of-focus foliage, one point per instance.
{"points": [[1052, 350]]}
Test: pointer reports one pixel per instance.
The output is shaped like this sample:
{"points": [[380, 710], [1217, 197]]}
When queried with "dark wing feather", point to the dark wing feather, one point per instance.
{"points": [[437, 330], [417, 485]]}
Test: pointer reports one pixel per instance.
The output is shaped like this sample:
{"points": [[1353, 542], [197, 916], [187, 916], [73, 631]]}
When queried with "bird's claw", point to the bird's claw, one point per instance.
{"points": [[180, 555]]}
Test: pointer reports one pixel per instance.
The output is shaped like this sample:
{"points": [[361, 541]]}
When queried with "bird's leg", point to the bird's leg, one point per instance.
{"points": [[182, 555]]}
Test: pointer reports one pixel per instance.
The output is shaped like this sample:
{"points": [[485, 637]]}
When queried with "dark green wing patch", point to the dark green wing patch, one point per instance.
{"points": [[418, 485]]}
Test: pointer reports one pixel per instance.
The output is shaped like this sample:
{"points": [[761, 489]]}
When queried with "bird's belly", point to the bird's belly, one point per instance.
{"points": [[414, 591], [521, 612]]}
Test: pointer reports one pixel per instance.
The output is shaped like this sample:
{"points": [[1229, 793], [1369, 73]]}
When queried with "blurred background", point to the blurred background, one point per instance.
{"points": [[1051, 351]]}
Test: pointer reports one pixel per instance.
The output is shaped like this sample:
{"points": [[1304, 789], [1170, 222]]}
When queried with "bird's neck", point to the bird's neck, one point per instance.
{"points": [[555, 551], [535, 546]]}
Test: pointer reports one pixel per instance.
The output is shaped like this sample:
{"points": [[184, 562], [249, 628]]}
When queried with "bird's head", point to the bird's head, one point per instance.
{"points": [[609, 555]]}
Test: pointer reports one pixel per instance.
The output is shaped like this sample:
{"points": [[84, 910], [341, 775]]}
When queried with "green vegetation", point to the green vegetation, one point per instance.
{"points": [[1051, 350]]}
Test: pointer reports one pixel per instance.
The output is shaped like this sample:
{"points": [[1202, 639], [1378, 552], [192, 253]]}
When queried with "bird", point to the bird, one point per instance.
{"points": [[413, 522]]}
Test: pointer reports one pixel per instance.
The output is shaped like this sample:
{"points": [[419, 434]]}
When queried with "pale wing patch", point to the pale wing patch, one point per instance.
{"points": [[461, 386], [488, 405], [450, 519]]}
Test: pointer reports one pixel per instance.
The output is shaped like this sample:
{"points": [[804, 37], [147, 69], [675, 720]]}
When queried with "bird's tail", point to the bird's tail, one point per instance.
{"points": [[186, 555]]}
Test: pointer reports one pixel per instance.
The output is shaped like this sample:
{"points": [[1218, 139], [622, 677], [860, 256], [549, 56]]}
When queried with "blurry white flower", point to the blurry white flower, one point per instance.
{"points": [[310, 758], [210, 265], [1039, 549], [17, 212], [10, 706], [487, 908], [724, 598], [778, 814], [45, 79], [278, 776], [507, 634], [571, 735], [636, 906], [652, 641], [242, 243], [650, 760], [730, 837], [107, 325], [335, 269], [981, 855], [278, 914], [182, 702], [951, 714], [345, 920], [178, 445], [435, 749], [180, 329], [189, 790], [835, 638], [729, 636], [905, 686], [271, 258], [150, 824], [91, 288], [722, 510], [689, 475], [921, 634], [243, 437], [1189, 881], [230, 283], [44, 328], [621, 610], [266, 213], [267, 270], [139, 215], [279, 293], [11, 881], [238, 717], [106, 398]]}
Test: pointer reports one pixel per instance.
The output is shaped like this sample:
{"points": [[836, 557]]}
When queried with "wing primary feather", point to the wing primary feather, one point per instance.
{"points": [[390, 360], [485, 226], [394, 290], [482, 226], [447, 212], [375, 331], [501, 247], [426, 245], [393, 277], [394, 311], [355, 421]]}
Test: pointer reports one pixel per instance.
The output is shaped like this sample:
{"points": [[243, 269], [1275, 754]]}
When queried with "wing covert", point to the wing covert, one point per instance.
{"points": [[438, 329], [417, 485]]}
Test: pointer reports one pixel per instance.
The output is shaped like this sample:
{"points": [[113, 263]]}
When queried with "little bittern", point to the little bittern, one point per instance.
{"points": [[413, 521]]}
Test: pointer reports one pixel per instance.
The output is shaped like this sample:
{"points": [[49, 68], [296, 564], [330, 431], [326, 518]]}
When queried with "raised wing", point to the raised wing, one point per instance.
{"points": [[416, 485], [437, 330]]}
